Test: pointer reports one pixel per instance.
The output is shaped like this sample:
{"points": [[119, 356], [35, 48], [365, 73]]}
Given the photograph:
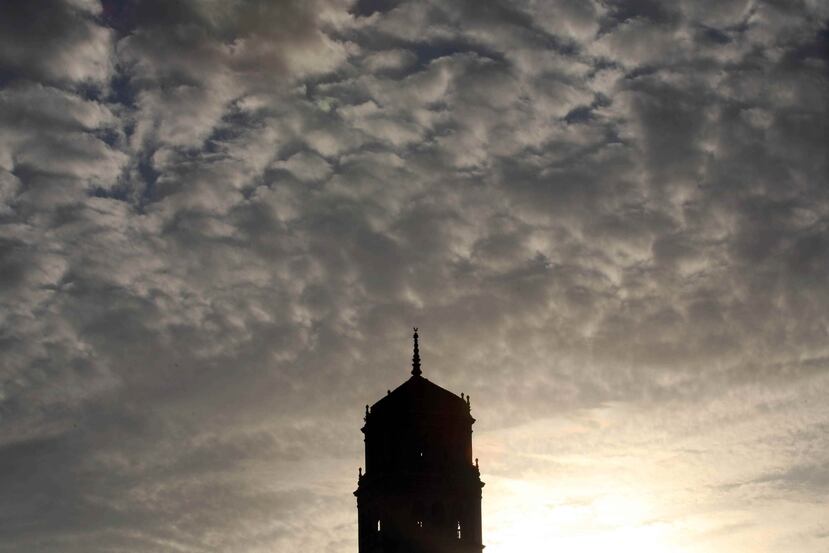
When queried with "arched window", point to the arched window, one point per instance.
{"points": [[378, 525], [417, 513], [459, 530]]}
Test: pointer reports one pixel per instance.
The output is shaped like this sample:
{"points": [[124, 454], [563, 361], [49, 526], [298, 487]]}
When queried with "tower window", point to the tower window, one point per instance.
{"points": [[378, 525], [420, 524], [459, 530]]}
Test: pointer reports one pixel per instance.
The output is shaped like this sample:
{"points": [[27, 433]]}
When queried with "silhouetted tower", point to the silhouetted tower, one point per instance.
{"points": [[421, 492]]}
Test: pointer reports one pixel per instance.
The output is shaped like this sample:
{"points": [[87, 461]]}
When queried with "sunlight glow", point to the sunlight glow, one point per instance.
{"points": [[616, 521]]}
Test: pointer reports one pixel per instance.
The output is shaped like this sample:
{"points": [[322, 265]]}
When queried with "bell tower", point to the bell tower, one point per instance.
{"points": [[421, 492]]}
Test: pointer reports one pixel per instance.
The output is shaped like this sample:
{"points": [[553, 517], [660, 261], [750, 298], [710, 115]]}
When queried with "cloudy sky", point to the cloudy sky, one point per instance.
{"points": [[220, 219]]}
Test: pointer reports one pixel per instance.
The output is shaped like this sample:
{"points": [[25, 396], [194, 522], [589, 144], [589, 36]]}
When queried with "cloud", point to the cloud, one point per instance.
{"points": [[220, 220], [55, 42]]}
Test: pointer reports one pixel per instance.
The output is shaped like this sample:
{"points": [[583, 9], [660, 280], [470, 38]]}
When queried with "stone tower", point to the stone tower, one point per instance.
{"points": [[421, 492]]}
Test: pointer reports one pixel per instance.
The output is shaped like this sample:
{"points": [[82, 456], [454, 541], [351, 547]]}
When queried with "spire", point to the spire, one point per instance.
{"points": [[416, 357]]}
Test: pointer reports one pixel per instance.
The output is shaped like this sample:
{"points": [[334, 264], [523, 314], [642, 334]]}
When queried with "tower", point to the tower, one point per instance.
{"points": [[421, 492]]}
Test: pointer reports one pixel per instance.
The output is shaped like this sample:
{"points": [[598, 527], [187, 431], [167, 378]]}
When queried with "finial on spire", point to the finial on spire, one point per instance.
{"points": [[416, 357]]}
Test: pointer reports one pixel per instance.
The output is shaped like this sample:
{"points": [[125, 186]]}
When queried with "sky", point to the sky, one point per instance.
{"points": [[220, 220]]}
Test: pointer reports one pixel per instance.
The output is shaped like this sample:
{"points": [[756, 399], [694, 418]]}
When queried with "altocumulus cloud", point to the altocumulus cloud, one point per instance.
{"points": [[218, 221]]}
